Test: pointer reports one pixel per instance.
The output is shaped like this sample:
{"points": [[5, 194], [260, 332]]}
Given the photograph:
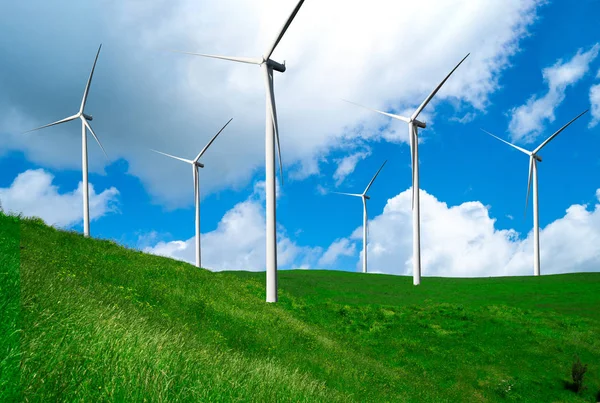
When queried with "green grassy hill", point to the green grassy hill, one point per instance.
{"points": [[88, 320]]}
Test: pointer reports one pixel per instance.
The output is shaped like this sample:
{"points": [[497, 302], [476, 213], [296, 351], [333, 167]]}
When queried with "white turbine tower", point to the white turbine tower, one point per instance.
{"points": [[364, 198], [84, 163], [534, 158], [413, 128], [195, 165], [271, 134]]}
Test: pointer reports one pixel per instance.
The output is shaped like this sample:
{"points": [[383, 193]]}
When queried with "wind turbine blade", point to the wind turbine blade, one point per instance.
{"points": [[531, 162], [54, 123], [557, 132], [348, 194], [248, 60], [391, 115], [273, 112], [287, 24], [172, 156], [89, 82], [424, 104], [211, 141], [510, 144], [85, 122], [372, 180]]}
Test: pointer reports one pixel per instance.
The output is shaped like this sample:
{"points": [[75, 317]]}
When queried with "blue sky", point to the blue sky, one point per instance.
{"points": [[534, 65]]}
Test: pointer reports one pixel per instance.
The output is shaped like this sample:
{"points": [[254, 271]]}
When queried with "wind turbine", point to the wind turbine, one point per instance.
{"points": [[413, 133], [534, 158], [364, 198], [85, 118], [195, 165], [271, 134]]}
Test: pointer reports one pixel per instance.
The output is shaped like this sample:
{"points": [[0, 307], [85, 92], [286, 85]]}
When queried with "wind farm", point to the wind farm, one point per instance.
{"points": [[268, 66], [413, 135], [279, 293]]}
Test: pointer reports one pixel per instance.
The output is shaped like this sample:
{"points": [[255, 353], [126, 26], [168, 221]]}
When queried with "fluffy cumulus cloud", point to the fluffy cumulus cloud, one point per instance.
{"points": [[528, 121], [238, 242], [456, 241], [33, 195], [463, 241], [143, 96]]}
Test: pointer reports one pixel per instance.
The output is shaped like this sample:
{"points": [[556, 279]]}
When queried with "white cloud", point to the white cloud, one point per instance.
{"points": [[456, 241], [595, 102], [175, 102], [33, 195], [340, 247], [528, 120], [346, 165], [238, 242], [463, 241]]}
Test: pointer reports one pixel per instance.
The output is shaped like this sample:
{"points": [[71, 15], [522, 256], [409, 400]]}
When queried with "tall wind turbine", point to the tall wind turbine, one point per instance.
{"points": [[195, 165], [364, 198], [413, 133], [271, 134], [85, 118], [534, 158]]}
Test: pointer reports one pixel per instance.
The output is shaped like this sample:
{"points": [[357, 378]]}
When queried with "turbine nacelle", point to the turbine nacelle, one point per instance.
{"points": [[418, 123], [275, 66], [199, 164], [366, 197], [87, 117], [536, 157]]}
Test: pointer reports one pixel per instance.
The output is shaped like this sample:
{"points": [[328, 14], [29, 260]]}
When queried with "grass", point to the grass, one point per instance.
{"points": [[88, 320]]}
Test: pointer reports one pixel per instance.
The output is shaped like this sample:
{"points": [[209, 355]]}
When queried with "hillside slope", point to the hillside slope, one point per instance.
{"points": [[88, 320]]}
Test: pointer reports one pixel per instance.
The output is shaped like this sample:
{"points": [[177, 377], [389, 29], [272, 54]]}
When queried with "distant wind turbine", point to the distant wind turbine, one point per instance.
{"points": [[413, 128], [195, 165], [84, 163], [534, 158], [271, 134], [364, 198]]}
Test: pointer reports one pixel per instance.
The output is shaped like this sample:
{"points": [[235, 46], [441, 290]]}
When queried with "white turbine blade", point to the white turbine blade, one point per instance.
{"points": [[273, 110], [172, 156], [424, 104], [557, 132], [391, 115], [531, 162], [510, 144], [248, 60], [55, 123], [211, 141], [287, 24], [348, 194], [89, 82], [372, 180], [85, 122]]}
